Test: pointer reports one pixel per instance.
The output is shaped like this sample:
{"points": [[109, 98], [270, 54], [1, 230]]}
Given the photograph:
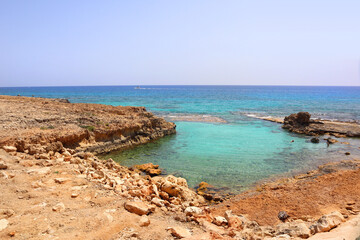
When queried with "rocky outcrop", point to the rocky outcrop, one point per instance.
{"points": [[38, 125], [301, 123], [149, 168]]}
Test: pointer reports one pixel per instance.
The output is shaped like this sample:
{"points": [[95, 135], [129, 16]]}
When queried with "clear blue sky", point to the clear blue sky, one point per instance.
{"points": [[289, 42]]}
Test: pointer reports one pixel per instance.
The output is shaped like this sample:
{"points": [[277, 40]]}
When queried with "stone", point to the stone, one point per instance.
{"points": [[203, 187], [144, 221], [282, 215], [7, 212], [300, 118], [149, 168], [55, 147], [3, 224], [327, 222], [138, 207], [158, 202], [179, 232], [177, 187], [44, 170], [191, 211], [220, 221], [10, 148], [74, 195], [3, 165], [347, 153], [331, 140], [153, 172], [209, 227], [235, 221], [59, 207], [295, 229], [44, 156], [61, 180], [315, 140]]}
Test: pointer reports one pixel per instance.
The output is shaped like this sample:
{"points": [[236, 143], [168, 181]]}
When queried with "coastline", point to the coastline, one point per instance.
{"points": [[38, 157]]}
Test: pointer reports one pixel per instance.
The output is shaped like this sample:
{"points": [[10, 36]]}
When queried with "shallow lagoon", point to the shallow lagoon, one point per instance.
{"points": [[233, 156]]}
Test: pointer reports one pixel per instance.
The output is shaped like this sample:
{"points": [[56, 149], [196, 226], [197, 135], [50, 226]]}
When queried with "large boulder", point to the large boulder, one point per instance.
{"points": [[295, 229], [300, 118], [298, 123], [327, 222], [177, 187]]}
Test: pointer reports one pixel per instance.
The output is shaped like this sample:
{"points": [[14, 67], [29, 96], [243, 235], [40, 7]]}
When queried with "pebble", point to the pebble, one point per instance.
{"points": [[179, 232], [3, 224], [59, 207], [3, 165], [144, 221]]}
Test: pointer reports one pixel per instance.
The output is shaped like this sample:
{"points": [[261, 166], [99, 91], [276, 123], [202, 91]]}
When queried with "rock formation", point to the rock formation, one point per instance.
{"points": [[36, 125], [301, 123]]}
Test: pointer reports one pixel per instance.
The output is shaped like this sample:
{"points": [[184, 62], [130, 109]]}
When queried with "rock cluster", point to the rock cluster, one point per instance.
{"points": [[169, 194], [301, 123]]}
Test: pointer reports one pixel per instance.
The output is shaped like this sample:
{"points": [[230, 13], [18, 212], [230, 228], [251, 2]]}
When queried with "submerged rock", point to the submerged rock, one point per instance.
{"points": [[315, 140], [149, 168]]}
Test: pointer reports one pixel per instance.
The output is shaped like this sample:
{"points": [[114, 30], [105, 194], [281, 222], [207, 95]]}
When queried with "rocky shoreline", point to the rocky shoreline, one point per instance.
{"points": [[54, 186], [303, 124], [32, 124]]}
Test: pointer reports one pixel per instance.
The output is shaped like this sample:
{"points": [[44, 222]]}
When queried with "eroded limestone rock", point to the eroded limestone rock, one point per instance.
{"points": [[327, 222], [138, 207]]}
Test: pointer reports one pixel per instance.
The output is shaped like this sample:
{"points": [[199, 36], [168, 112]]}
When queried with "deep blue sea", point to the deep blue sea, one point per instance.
{"points": [[236, 152]]}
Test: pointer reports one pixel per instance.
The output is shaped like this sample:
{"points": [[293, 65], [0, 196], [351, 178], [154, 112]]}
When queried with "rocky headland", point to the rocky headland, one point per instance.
{"points": [[55, 187], [34, 124], [302, 123]]}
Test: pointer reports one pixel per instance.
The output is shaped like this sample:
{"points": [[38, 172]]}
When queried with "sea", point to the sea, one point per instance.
{"points": [[219, 138]]}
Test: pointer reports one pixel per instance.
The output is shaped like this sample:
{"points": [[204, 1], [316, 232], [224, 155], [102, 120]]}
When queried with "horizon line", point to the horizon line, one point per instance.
{"points": [[137, 85]]}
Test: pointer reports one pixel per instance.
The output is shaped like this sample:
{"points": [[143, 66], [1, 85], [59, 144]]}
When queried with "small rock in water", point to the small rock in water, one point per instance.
{"points": [[282, 215], [331, 141], [347, 153], [315, 140]]}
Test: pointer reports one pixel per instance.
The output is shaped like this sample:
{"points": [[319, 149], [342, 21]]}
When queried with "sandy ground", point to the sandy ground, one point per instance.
{"points": [[31, 194]]}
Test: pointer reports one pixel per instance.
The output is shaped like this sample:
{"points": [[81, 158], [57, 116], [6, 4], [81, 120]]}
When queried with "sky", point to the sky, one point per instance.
{"points": [[187, 42]]}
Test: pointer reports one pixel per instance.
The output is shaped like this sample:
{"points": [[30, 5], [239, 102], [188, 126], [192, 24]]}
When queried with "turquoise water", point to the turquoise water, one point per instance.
{"points": [[232, 155]]}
